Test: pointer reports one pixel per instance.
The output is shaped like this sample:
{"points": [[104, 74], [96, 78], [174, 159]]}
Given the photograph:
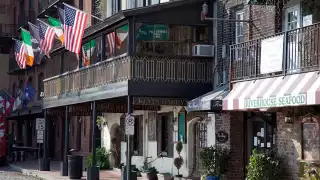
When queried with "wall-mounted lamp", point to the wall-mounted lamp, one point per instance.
{"points": [[289, 118], [204, 11]]}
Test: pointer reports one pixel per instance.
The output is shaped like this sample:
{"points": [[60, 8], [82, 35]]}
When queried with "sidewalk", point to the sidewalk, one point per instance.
{"points": [[30, 168]]}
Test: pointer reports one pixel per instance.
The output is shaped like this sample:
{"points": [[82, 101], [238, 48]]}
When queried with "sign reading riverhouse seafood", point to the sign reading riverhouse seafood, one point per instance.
{"points": [[281, 101]]}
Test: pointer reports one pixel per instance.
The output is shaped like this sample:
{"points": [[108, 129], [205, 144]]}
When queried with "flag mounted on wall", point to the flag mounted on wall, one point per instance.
{"points": [[75, 22], [26, 39], [47, 35], [57, 26], [35, 38], [20, 54]]}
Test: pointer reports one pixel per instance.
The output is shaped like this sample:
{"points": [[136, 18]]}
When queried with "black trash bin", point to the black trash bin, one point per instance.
{"points": [[124, 174], [75, 166]]}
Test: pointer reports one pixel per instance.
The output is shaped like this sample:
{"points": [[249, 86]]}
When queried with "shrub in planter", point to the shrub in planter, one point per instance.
{"points": [[102, 159], [178, 161], [151, 173], [264, 165], [214, 161]]}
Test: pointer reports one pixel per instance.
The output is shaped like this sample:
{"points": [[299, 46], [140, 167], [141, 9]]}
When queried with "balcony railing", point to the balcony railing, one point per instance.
{"points": [[137, 68], [301, 53]]}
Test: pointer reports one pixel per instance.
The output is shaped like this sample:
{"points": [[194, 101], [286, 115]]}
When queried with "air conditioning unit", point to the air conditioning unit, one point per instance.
{"points": [[203, 50]]}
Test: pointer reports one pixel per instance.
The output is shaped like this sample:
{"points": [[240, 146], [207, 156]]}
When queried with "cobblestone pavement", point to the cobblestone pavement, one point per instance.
{"points": [[7, 174]]}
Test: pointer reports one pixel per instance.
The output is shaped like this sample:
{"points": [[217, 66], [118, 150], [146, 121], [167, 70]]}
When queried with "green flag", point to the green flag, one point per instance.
{"points": [[26, 39], [56, 24]]}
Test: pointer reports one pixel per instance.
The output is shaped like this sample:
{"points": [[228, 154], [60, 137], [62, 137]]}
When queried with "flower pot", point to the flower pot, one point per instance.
{"points": [[212, 178], [164, 176], [152, 176]]}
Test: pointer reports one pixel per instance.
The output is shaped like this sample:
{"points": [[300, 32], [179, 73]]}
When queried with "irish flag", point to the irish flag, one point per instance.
{"points": [[122, 34], [88, 50], [56, 24], [26, 39]]}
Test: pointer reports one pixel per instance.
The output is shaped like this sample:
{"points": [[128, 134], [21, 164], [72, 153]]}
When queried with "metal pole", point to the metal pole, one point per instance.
{"points": [[64, 164], [94, 118], [128, 141], [45, 135]]}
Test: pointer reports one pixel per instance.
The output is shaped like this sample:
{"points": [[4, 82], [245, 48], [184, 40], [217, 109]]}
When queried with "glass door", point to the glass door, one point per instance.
{"points": [[292, 23]]}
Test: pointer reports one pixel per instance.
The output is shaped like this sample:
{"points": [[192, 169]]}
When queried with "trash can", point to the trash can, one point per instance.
{"points": [[133, 174], [75, 166]]}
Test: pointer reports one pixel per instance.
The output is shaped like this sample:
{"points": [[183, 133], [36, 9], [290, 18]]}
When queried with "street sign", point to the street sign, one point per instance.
{"points": [[40, 126], [40, 136], [129, 127]]}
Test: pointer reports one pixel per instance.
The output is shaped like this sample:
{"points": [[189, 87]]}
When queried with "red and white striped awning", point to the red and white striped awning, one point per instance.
{"points": [[291, 90]]}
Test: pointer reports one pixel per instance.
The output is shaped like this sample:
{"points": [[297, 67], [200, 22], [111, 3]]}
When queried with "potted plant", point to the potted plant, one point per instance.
{"points": [[164, 176], [178, 161], [263, 165], [150, 173], [214, 161], [102, 159]]}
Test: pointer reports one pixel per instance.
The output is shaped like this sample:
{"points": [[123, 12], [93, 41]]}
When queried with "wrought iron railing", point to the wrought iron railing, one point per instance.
{"points": [[136, 68], [301, 53]]}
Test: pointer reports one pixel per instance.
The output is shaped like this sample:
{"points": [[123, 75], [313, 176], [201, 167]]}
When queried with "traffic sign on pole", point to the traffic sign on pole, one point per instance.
{"points": [[129, 128]]}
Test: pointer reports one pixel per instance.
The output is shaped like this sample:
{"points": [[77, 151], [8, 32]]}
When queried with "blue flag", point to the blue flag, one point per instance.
{"points": [[29, 94]]}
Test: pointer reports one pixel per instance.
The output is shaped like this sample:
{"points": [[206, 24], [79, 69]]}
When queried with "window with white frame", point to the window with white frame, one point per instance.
{"points": [[239, 26]]}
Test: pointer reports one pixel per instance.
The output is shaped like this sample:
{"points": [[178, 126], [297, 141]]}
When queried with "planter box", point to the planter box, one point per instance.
{"points": [[147, 176], [164, 176]]}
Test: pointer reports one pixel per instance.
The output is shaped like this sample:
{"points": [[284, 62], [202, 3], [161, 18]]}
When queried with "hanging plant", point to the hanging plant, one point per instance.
{"points": [[101, 122]]}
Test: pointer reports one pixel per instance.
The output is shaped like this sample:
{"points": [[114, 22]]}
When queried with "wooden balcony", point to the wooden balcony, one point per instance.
{"points": [[142, 74], [301, 53]]}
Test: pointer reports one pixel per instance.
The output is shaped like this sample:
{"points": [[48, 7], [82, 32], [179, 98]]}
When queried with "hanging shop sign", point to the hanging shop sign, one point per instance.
{"points": [[222, 136], [85, 109], [289, 100], [152, 32], [158, 101]]}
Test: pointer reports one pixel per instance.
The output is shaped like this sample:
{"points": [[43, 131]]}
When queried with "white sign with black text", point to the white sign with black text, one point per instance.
{"points": [[271, 54]]}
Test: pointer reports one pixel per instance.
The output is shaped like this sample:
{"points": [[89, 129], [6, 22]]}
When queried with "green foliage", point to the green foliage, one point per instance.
{"points": [[263, 165], [102, 159], [214, 160], [178, 161], [179, 147], [101, 122], [151, 170]]}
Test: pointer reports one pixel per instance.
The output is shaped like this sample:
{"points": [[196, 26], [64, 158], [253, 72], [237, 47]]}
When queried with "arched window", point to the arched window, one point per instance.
{"points": [[40, 85]]}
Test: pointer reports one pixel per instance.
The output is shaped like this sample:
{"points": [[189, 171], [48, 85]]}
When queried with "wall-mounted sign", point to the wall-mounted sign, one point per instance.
{"points": [[158, 101], [271, 54], [150, 32], [222, 136], [289, 100], [216, 105]]}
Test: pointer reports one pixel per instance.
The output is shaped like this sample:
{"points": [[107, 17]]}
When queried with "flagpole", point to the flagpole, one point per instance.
{"points": [[81, 10]]}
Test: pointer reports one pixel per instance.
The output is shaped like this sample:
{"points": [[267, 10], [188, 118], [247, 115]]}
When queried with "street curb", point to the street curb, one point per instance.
{"points": [[31, 173]]}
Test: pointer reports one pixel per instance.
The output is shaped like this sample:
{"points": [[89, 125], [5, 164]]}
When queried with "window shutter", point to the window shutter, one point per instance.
{"points": [[170, 131], [158, 134], [141, 135]]}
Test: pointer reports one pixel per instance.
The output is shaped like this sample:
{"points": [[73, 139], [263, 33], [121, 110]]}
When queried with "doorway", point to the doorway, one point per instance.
{"points": [[261, 127]]}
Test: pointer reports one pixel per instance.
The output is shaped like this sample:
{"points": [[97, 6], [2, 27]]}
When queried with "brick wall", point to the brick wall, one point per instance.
{"points": [[288, 146], [232, 123]]}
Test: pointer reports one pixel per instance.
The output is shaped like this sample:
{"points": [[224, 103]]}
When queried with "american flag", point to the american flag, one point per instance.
{"points": [[110, 38], [20, 53], [47, 35], [75, 22]]}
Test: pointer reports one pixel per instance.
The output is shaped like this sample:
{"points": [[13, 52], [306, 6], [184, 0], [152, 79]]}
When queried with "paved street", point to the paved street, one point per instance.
{"points": [[7, 174]]}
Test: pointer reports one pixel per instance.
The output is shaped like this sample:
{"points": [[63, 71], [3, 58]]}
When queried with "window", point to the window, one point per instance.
{"points": [[239, 27], [91, 52], [138, 136], [40, 85], [310, 138], [97, 10], [3, 9], [161, 39], [122, 39], [164, 136], [110, 44]]}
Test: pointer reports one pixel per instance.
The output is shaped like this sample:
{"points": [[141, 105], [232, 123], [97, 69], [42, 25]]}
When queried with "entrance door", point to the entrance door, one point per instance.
{"points": [[200, 141], [292, 22], [260, 132]]}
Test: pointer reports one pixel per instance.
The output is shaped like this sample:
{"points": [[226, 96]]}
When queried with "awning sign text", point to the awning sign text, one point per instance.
{"points": [[281, 101]]}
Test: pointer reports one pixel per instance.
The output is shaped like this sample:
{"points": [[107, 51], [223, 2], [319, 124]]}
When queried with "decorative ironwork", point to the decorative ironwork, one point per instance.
{"points": [[159, 69], [301, 45], [152, 118]]}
